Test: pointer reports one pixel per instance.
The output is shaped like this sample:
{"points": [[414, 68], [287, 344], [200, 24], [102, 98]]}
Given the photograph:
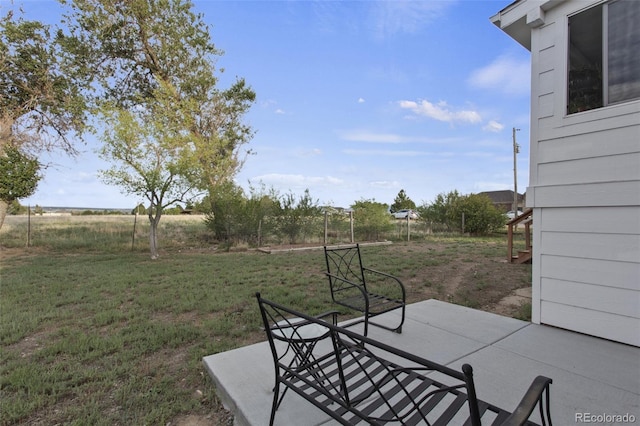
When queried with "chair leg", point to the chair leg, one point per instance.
{"points": [[275, 403], [366, 324]]}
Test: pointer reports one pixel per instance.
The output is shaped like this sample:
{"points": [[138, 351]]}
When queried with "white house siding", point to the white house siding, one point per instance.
{"points": [[589, 269], [584, 188]]}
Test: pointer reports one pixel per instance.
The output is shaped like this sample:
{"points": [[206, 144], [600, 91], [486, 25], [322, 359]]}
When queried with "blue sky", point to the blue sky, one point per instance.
{"points": [[355, 100]]}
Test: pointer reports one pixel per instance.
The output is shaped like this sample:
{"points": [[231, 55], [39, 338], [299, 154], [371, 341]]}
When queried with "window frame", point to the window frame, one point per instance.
{"points": [[604, 44]]}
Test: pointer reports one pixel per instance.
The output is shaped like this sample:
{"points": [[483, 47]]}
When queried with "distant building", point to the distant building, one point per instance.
{"points": [[504, 199], [584, 177]]}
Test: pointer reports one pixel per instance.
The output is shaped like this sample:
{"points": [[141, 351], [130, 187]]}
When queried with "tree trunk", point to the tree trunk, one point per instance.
{"points": [[4, 206], [153, 235]]}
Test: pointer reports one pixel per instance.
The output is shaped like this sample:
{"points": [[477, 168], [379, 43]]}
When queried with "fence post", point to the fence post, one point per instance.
{"points": [[326, 226], [260, 233], [351, 225], [409, 226], [29, 226], [133, 234]]}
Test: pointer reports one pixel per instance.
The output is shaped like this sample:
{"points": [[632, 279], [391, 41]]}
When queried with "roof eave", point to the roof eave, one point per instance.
{"points": [[518, 18]]}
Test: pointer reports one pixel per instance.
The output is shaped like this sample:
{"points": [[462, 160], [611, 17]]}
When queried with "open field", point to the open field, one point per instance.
{"points": [[102, 233], [93, 332]]}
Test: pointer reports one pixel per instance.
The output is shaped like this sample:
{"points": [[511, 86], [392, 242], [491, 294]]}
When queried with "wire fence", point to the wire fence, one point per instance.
{"points": [[130, 232]]}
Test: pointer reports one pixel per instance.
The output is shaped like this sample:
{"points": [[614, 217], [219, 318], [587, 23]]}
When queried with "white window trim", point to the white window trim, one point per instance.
{"points": [[633, 107]]}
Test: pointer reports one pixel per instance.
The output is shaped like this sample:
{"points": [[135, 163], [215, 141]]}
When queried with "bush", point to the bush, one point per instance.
{"points": [[371, 220], [16, 208], [299, 220], [442, 211], [235, 217], [481, 217]]}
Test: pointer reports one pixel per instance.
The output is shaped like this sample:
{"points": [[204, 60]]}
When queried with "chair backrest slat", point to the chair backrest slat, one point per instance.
{"points": [[346, 264]]}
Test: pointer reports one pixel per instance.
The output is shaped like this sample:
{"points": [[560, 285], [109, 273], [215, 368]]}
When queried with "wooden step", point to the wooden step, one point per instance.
{"points": [[524, 256]]}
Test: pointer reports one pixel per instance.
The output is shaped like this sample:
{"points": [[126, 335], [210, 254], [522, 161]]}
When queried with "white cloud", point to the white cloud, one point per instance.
{"points": [[441, 112], [493, 126], [308, 153], [390, 138], [268, 103], [405, 16], [384, 153], [296, 180], [507, 74], [385, 184], [361, 100], [89, 177], [365, 136]]}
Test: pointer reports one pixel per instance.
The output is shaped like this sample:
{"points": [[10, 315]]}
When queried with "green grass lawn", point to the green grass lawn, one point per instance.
{"points": [[112, 337], [118, 339]]}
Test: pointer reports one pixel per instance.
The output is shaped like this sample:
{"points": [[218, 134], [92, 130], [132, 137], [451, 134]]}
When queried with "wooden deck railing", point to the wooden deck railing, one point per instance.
{"points": [[523, 256]]}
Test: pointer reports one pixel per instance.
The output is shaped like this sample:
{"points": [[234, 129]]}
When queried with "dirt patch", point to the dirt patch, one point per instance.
{"points": [[517, 304], [30, 344]]}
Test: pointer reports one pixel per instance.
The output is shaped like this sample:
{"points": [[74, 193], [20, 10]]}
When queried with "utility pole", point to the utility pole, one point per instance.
{"points": [[516, 150]]}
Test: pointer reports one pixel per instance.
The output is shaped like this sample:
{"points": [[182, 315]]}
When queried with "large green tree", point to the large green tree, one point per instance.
{"points": [[154, 60], [132, 47], [402, 201], [42, 107], [147, 152], [19, 176]]}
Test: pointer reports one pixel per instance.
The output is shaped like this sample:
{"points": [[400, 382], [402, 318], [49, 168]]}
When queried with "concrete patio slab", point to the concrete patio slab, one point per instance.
{"points": [[614, 364], [590, 375], [502, 377], [430, 342], [244, 380], [477, 325]]}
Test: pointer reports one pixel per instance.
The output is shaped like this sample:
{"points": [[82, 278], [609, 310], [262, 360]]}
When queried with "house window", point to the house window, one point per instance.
{"points": [[604, 64]]}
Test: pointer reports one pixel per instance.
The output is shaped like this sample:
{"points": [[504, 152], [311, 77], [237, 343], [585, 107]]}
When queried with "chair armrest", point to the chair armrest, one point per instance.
{"points": [[393, 277], [332, 314], [531, 398], [381, 273], [384, 274]]}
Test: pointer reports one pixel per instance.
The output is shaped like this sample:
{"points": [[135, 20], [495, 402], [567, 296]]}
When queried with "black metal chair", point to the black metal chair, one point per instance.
{"points": [[363, 289], [348, 376], [293, 340]]}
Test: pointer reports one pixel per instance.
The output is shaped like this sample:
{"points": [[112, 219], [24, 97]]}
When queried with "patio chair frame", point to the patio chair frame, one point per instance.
{"points": [[363, 289], [349, 377]]}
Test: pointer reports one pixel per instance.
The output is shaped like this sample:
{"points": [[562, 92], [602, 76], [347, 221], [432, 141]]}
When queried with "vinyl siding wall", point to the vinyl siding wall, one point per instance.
{"points": [[585, 191]]}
